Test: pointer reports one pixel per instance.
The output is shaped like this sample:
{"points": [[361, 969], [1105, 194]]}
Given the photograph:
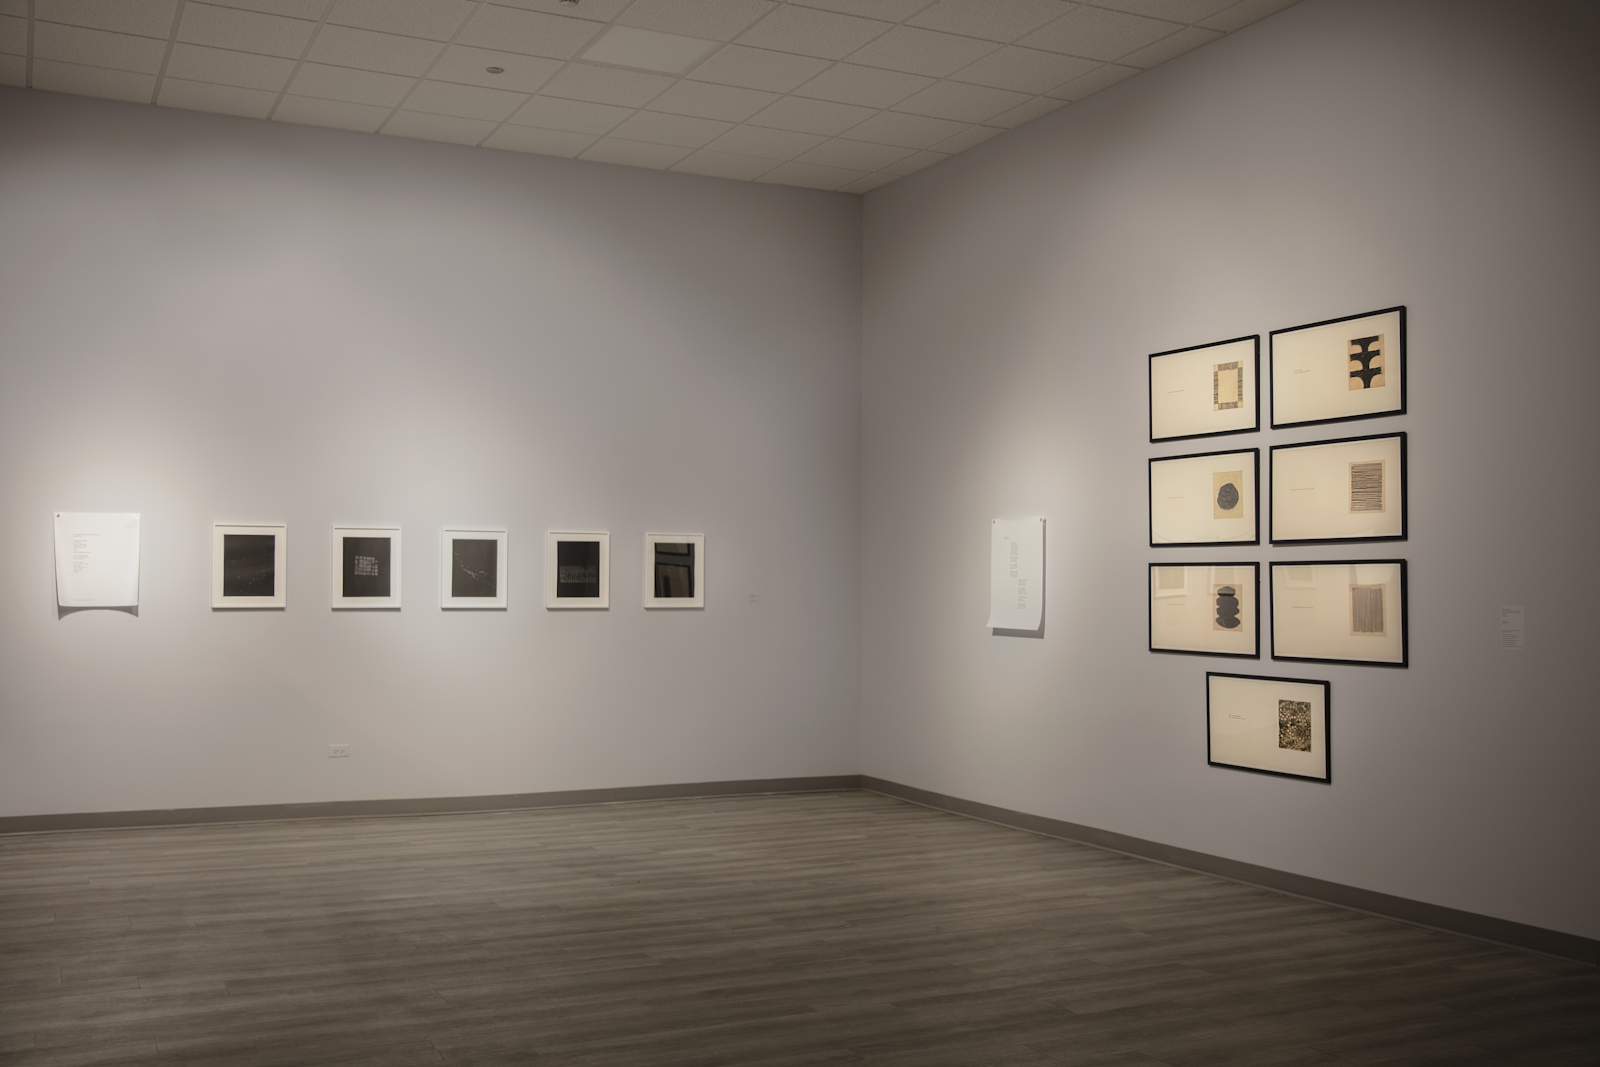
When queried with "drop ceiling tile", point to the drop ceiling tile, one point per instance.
{"points": [[716, 20], [1095, 33], [338, 114], [540, 142], [570, 116], [295, 9], [1244, 13], [725, 165], [385, 52], [13, 36], [436, 20], [854, 155], [915, 162], [606, 85], [810, 175], [890, 10], [1025, 70], [13, 71], [222, 99], [1035, 108], [994, 20], [845, 83], [757, 68], [593, 10], [707, 101], [681, 130], [809, 32], [964, 103], [469, 66], [772, 144], [1171, 10], [964, 140], [1101, 77], [463, 101], [445, 128], [1185, 40], [351, 86], [532, 33], [144, 18], [15, 8], [96, 48], [917, 51], [867, 184], [811, 116], [634, 153], [244, 31], [906, 131], [193, 62], [664, 53], [92, 81]]}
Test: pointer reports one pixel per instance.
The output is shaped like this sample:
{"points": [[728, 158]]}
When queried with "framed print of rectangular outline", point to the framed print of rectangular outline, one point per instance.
{"points": [[220, 532], [336, 567], [1189, 619], [1207, 390], [1340, 611], [1351, 489], [448, 600], [1312, 375], [1016, 574], [1191, 491], [697, 579], [97, 559], [552, 575], [1275, 726]]}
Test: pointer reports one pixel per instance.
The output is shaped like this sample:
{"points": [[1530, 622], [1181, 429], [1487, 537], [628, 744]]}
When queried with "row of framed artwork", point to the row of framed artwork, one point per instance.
{"points": [[1329, 611], [1331, 371]]}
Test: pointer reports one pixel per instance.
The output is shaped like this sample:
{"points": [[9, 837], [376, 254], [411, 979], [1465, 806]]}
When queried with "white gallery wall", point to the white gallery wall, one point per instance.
{"points": [[206, 319], [1340, 157]]}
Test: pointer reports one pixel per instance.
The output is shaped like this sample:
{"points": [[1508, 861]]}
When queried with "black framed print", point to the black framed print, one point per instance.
{"points": [[1340, 611], [1339, 369], [1206, 390], [1269, 725], [1352, 489], [1208, 498], [1206, 609]]}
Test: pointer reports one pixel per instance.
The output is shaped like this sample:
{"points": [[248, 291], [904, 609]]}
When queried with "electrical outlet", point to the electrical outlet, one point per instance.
{"points": [[335, 751]]}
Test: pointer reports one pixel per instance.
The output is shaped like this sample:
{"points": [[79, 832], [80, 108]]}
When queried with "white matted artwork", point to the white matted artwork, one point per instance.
{"points": [[1272, 725], [1016, 574], [1348, 490], [1205, 390], [365, 565], [1209, 609], [473, 570], [674, 570], [1349, 368], [97, 559], [249, 565], [1204, 499], [1340, 611], [577, 571]]}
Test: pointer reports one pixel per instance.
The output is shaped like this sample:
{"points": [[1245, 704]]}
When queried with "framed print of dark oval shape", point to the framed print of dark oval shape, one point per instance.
{"points": [[1206, 609], [1351, 489], [1207, 498], [1339, 369], [1206, 391]]}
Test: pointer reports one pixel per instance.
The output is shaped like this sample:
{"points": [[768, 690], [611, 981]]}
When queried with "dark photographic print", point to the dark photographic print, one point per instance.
{"points": [[578, 569], [365, 569], [249, 565], [674, 570], [474, 567], [1294, 725]]}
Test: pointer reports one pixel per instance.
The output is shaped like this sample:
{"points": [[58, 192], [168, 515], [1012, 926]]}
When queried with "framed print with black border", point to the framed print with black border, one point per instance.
{"points": [[674, 570], [1352, 489], [1206, 391], [473, 571], [1206, 609], [1268, 725], [249, 566], [1340, 611], [1338, 369], [1205, 499], [577, 570], [365, 561]]}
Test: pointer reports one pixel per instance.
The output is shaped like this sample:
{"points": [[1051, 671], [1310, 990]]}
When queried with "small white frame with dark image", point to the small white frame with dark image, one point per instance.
{"points": [[1205, 499], [1268, 725], [1353, 489], [1206, 609], [674, 570], [473, 569], [1205, 391], [249, 565], [364, 566], [1347, 368], [577, 571], [1340, 611]]}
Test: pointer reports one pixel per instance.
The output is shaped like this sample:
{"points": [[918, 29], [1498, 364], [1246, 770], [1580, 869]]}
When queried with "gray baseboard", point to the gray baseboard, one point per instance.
{"points": [[1570, 947]]}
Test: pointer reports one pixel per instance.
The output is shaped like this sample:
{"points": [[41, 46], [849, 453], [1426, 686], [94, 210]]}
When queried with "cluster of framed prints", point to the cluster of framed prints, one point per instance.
{"points": [[1345, 490]]}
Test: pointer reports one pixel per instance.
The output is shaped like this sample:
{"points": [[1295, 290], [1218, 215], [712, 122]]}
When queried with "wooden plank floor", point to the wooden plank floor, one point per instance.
{"points": [[781, 931]]}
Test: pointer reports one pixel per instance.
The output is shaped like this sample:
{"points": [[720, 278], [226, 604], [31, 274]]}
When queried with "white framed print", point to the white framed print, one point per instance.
{"points": [[365, 565], [473, 571], [97, 559], [577, 569], [1268, 725], [674, 570], [249, 565]]}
